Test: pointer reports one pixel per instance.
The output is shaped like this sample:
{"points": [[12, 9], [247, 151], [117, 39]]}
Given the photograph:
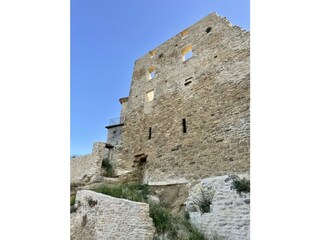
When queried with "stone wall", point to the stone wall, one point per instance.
{"points": [[99, 216], [229, 216], [114, 134], [99, 149], [84, 168], [210, 91]]}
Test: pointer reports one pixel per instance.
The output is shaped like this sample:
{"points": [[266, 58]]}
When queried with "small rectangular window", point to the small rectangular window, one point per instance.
{"points": [[151, 73], [152, 53], [149, 136], [184, 33], [149, 96], [184, 126], [186, 53]]}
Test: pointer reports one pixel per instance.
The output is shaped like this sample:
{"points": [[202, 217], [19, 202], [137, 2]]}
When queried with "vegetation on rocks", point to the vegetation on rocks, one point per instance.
{"points": [[241, 184], [107, 168], [204, 202], [172, 227], [72, 200], [133, 192], [163, 221], [194, 233]]}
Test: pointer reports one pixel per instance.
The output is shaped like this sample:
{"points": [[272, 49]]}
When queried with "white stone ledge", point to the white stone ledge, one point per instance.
{"points": [[169, 182]]}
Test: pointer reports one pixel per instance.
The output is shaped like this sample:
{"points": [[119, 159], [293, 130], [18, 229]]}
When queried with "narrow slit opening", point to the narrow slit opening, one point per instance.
{"points": [[184, 126], [149, 136]]}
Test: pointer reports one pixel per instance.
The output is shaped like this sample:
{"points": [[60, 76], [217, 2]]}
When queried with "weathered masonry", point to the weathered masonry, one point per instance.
{"points": [[187, 114]]}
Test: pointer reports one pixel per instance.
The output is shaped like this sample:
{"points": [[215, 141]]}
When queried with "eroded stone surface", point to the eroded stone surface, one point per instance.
{"points": [[87, 169], [101, 217], [229, 216]]}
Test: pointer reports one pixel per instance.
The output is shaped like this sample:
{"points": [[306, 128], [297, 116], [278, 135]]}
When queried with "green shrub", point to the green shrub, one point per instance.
{"points": [[241, 185], [72, 200], [195, 234], [162, 220], [107, 167], [204, 205], [204, 202], [186, 215], [133, 192]]}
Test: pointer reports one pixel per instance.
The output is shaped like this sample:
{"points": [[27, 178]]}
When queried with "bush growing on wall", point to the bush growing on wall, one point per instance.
{"points": [[162, 220], [203, 201], [241, 184], [107, 167]]}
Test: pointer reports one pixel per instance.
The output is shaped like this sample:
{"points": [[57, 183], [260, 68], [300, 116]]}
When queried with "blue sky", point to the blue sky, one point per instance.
{"points": [[106, 39]]}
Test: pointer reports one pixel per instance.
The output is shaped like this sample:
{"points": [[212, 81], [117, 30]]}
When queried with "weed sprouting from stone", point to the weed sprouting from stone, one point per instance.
{"points": [[107, 168], [72, 200], [241, 184], [133, 192], [162, 220], [204, 202]]}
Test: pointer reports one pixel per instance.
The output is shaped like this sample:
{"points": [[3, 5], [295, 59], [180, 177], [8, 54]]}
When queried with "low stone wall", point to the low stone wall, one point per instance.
{"points": [[86, 168], [229, 216], [99, 216], [99, 149]]}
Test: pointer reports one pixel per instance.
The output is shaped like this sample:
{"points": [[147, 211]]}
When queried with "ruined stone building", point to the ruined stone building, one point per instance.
{"points": [[184, 130], [187, 114]]}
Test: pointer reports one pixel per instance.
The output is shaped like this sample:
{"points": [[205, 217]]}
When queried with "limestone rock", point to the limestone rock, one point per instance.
{"points": [[102, 217], [229, 216]]}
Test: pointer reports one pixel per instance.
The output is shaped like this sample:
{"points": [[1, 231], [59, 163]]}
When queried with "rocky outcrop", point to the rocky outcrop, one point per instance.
{"points": [[96, 217], [229, 216]]}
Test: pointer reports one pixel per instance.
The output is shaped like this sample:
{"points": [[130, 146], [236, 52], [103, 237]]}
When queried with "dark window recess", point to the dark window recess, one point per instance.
{"points": [[184, 126], [149, 136], [188, 81], [208, 29]]}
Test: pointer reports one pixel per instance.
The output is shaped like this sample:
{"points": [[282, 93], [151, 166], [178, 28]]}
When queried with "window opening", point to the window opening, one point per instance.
{"points": [[208, 29], [184, 33], [186, 53], [184, 126], [149, 136], [149, 96], [152, 53], [151, 73]]}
